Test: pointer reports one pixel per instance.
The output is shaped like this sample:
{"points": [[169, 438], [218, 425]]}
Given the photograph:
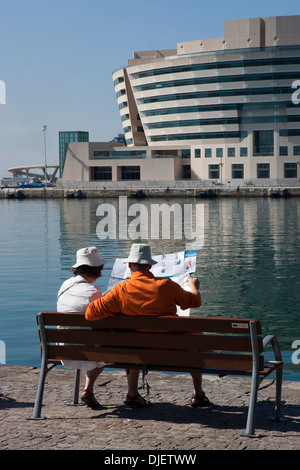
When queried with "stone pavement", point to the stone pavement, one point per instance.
{"points": [[170, 424]]}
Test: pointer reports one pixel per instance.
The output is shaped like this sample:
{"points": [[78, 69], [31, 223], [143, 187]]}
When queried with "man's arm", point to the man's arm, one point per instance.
{"points": [[195, 286], [106, 306], [184, 298]]}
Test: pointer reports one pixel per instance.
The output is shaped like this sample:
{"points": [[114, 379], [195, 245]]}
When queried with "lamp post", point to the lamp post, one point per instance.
{"points": [[44, 128], [221, 170]]}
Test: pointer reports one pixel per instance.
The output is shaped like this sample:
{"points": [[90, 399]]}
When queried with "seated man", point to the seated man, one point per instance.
{"points": [[144, 294]]}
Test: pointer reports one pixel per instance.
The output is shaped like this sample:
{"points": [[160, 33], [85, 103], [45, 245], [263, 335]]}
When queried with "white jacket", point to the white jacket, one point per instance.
{"points": [[75, 295]]}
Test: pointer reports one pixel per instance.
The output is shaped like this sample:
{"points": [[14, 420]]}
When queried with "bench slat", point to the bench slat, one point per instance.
{"points": [[209, 324], [145, 356], [159, 340]]}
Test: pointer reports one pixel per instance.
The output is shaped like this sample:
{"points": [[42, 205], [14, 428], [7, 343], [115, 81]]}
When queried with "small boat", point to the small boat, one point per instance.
{"points": [[140, 194], [278, 194], [209, 194], [75, 195], [15, 195], [34, 183]]}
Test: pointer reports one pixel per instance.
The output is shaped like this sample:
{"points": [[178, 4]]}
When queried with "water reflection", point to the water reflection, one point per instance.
{"points": [[251, 258], [248, 265], [79, 223]]}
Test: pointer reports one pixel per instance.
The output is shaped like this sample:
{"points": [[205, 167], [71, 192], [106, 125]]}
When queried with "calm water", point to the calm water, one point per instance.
{"points": [[248, 266]]}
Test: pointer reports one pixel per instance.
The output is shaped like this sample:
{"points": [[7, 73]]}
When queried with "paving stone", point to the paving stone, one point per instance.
{"points": [[169, 424]]}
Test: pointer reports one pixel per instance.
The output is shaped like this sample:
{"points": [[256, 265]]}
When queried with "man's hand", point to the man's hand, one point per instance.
{"points": [[194, 284]]}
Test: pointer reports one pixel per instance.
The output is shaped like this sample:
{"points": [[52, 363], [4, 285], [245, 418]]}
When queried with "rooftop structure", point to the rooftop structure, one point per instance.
{"points": [[30, 171]]}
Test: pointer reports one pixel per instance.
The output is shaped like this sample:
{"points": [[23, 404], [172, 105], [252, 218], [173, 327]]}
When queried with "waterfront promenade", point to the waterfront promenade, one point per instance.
{"points": [[155, 189], [170, 424]]}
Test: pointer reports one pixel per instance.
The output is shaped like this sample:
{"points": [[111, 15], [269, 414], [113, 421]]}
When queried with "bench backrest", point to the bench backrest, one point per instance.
{"points": [[162, 343]]}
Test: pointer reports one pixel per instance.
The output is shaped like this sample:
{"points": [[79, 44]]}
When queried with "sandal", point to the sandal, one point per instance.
{"points": [[135, 402], [199, 401], [89, 399]]}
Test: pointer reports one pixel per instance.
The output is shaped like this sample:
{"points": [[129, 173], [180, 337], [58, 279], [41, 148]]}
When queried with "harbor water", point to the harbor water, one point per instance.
{"points": [[247, 262]]}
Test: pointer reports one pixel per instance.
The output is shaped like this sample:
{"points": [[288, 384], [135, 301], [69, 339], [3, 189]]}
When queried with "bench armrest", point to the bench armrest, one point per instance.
{"points": [[273, 340]]}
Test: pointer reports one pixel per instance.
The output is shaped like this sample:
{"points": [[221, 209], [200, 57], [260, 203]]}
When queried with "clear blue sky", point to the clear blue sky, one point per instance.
{"points": [[57, 60]]}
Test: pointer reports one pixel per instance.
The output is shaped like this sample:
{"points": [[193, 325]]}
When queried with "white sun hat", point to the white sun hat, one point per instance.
{"points": [[140, 253], [89, 256]]}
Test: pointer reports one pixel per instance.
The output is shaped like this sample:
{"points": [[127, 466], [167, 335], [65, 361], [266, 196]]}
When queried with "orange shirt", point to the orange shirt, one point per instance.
{"points": [[143, 294]]}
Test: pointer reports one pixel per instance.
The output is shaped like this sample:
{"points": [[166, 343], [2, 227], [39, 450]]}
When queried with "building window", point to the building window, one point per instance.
{"points": [[237, 171], [214, 171], [277, 91], [219, 152], [263, 170], [289, 132], [118, 80], [123, 105], [290, 170], [101, 173], [186, 153], [64, 139], [244, 152], [231, 152], [263, 143], [106, 154], [197, 153], [198, 135], [283, 151], [130, 173], [208, 66], [296, 150], [208, 153], [120, 93]]}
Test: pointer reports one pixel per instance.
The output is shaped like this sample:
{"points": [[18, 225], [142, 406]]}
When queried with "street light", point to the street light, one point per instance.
{"points": [[221, 168], [44, 128]]}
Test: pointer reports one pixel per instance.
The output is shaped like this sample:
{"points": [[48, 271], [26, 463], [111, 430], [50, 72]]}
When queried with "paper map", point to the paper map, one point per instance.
{"points": [[177, 266]]}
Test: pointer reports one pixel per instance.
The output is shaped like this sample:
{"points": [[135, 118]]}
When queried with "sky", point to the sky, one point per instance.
{"points": [[57, 60]]}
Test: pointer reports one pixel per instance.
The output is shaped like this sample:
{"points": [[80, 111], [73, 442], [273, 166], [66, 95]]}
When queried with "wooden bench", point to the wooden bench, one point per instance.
{"points": [[223, 346]]}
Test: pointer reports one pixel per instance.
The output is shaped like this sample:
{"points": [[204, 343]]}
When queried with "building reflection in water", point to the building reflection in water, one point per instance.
{"points": [[248, 265]]}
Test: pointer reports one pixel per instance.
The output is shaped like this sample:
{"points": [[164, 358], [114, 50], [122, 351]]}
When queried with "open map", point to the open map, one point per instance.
{"points": [[178, 266]]}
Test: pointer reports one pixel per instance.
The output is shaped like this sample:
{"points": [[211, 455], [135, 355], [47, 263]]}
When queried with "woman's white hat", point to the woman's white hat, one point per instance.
{"points": [[89, 256], [140, 253]]}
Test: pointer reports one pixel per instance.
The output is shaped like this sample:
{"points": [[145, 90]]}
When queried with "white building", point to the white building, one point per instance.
{"points": [[222, 110]]}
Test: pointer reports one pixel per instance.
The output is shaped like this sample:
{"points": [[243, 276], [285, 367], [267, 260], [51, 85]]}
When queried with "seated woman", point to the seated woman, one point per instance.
{"points": [[75, 295]]}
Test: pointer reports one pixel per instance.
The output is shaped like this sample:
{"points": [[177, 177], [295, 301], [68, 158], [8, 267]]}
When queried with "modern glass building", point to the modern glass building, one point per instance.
{"points": [[232, 101], [218, 111], [64, 139]]}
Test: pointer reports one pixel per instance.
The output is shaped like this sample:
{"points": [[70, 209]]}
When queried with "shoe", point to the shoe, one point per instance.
{"points": [[199, 401], [89, 399], [138, 401]]}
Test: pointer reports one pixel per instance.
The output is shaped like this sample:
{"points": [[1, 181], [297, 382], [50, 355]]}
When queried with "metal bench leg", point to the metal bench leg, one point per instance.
{"points": [[39, 396], [76, 390], [250, 427], [278, 392], [279, 373]]}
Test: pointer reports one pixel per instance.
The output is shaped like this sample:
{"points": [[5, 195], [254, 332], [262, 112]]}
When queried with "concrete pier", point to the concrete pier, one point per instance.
{"points": [[148, 192]]}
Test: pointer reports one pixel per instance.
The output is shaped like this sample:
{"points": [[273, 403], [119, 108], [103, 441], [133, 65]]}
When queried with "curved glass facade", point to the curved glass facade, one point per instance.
{"points": [[225, 93]]}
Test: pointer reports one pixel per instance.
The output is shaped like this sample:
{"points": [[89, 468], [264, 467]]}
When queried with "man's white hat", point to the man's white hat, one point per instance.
{"points": [[89, 256], [140, 253]]}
